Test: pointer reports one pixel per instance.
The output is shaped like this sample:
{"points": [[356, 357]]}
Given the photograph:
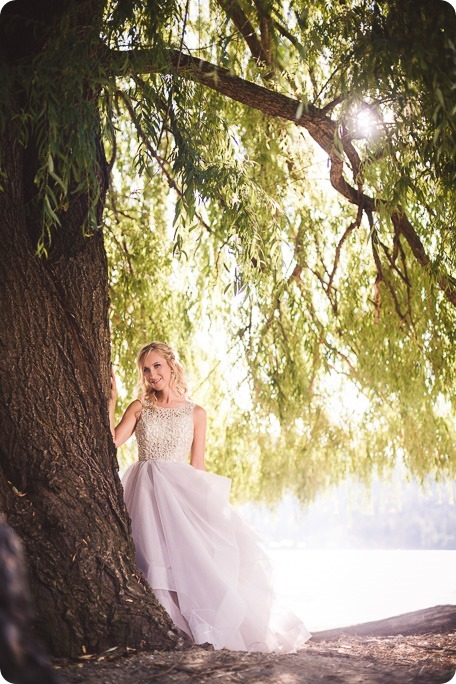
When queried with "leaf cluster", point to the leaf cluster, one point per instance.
{"points": [[319, 335]]}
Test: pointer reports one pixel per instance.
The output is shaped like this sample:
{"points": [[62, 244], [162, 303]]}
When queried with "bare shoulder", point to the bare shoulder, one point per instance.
{"points": [[134, 408], [199, 413]]}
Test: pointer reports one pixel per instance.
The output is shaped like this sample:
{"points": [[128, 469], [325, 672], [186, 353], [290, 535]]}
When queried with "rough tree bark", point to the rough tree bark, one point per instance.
{"points": [[59, 483], [22, 660]]}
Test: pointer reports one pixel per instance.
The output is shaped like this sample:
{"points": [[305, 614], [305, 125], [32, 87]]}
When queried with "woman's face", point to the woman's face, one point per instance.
{"points": [[156, 371]]}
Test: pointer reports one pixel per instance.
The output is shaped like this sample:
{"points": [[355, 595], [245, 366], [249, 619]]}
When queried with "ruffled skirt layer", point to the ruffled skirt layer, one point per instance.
{"points": [[204, 563]]}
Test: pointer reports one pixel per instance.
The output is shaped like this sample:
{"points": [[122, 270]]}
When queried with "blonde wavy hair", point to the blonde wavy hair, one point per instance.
{"points": [[146, 393]]}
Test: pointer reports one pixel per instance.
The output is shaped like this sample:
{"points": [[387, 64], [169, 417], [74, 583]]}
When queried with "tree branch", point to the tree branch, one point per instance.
{"points": [[355, 224], [274, 104], [289, 36], [403, 227], [265, 30], [381, 278], [245, 28]]}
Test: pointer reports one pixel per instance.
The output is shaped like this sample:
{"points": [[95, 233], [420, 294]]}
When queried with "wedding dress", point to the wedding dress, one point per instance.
{"points": [[204, 563]]}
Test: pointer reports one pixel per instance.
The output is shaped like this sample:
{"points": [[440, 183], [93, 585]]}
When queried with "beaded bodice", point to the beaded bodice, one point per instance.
{"points": [[165, 434]]}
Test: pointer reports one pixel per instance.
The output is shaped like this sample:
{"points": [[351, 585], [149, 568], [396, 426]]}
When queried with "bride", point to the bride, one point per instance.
{"points": [[204, 563]]}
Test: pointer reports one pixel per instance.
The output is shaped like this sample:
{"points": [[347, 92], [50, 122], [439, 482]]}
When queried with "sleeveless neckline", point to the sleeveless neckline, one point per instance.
{"points": [[152, 407], [165, 434], [172, 408]]}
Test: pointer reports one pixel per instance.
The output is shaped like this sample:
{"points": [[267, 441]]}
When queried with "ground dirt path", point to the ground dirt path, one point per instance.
{"points": [[417, 647]]}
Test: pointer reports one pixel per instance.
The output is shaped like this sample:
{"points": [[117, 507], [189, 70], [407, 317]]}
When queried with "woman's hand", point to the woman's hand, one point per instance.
{"points": [[112, 404], [113, 394]]}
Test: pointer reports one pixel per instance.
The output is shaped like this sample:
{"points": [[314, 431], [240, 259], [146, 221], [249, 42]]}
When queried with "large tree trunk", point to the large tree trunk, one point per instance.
{"points": [[59, 484]]}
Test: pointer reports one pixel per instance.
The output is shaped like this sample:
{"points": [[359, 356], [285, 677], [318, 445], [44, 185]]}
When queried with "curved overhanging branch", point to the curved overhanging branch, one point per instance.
{"points": [[321, 128], [221, 80]]}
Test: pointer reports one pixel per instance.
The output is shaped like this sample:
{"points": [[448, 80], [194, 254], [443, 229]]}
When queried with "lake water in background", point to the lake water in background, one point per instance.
{"points": [[335, 588]]}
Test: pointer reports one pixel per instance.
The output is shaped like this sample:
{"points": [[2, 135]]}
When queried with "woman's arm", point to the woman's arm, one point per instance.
{"points": [[199, 438], [126, 427]]}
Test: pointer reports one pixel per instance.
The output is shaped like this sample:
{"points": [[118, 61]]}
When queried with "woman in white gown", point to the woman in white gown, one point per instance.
{"points": [[204, 563]]}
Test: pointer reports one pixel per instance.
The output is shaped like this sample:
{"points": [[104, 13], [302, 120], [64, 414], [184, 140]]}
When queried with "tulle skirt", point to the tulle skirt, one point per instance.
{"points": [[205, 564]]}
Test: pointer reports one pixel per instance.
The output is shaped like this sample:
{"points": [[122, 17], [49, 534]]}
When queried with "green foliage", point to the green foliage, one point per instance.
{"points": [[317, 335], [344, 379], [64, 150]]}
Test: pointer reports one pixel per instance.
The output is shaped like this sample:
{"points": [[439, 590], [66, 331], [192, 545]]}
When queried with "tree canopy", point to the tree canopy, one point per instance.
{"points": [[281, 208]]}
